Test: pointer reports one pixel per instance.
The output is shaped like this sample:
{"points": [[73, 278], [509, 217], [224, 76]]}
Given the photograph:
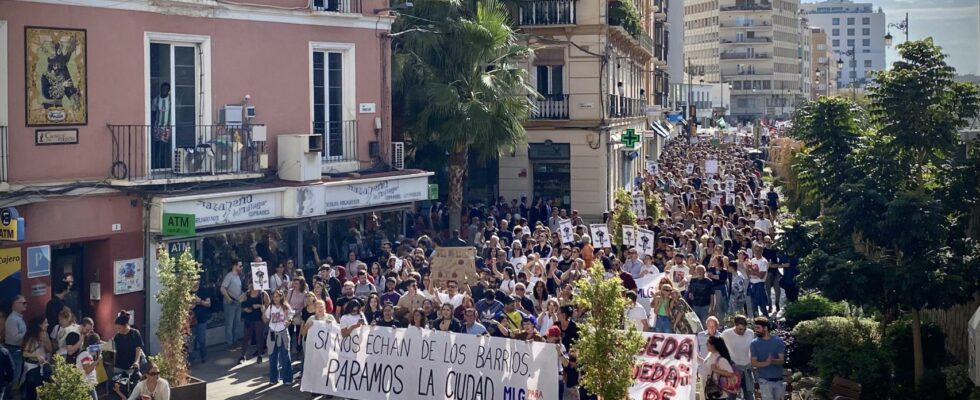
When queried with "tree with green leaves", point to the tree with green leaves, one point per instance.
{"points": [[67, 383], [460, 83], [177, 279], [605, 350], [622, 215], [895, 199]]}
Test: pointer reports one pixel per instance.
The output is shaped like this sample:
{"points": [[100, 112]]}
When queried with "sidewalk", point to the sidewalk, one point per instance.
{"points": [[229, 380]]}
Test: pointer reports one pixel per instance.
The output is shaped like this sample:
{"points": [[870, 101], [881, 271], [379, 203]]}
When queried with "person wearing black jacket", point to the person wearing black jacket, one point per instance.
{"points": [[55, 305], [6, 370]]}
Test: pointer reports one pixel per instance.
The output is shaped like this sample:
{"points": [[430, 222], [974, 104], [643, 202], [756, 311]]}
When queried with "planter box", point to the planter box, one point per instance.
{"points": [[195, 389]]}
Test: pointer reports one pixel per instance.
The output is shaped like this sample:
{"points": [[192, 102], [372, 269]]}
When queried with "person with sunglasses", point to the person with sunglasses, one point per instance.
{"points": [[153, 387]]}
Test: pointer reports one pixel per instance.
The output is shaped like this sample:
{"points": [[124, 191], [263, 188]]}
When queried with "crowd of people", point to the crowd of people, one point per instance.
{"points": [[715, 256]]}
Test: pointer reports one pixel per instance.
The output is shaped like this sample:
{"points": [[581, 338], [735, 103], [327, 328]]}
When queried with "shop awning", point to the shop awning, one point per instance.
{"points": [[660, 129]]}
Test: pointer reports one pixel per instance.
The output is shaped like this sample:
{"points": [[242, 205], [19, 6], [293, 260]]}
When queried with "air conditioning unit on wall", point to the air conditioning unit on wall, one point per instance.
{"points": [[192, 160]]}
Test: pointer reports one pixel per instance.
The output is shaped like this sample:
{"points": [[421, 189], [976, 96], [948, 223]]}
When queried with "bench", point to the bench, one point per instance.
{"points": [[843, 389]]}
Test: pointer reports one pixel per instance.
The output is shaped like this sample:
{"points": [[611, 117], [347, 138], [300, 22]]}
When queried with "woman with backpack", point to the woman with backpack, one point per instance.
{"points": [[722, 380]]}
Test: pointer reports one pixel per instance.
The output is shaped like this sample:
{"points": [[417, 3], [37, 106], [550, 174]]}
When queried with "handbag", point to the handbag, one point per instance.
{"points": [[729, 385]]}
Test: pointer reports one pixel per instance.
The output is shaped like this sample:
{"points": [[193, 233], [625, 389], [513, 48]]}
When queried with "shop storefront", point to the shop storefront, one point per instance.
{"points": [[283, 224]]}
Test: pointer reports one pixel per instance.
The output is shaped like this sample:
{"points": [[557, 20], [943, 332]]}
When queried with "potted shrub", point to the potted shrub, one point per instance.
{"points": [[67, 383], [606, 351], [176, 301]]}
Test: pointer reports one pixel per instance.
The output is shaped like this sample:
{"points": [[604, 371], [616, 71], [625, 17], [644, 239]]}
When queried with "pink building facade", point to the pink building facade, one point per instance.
{"points": [[117, 114]]}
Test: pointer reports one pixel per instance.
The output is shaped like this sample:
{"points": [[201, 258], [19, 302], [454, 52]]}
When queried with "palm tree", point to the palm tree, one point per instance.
{"points": [[458, 75]]}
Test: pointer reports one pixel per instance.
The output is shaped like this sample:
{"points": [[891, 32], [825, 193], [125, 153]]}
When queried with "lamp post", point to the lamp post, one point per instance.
{"points": [[902, 26], [840, 66]]}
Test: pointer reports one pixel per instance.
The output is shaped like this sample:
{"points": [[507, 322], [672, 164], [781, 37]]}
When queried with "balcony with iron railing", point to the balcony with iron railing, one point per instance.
{"points": [[626, 107], [747, 40], [3, 154], [748, 7], [745, 56], [339, 145], [336, 6], [146, 154], [746, 24], [546, 12], [550, 106]]}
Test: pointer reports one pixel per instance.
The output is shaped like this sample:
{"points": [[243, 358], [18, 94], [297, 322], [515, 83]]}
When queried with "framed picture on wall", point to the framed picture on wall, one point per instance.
{"points": [[56, 73], [128, 276]]}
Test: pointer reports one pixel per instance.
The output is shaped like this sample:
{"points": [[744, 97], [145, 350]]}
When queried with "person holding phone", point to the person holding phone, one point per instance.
{"points": [[352, 318]]}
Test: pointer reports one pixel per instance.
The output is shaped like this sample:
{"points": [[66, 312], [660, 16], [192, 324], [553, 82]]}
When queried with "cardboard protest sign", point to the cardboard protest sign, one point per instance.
{"points": [[566, 231], [645, 243], [260, 275], [666, 367], [600, 235], [639, 205], [453, 264], [629, 235], [412, 364]]}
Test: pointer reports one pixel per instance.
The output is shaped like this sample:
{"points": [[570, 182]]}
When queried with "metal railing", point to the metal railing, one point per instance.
{"points": [[748, 40], [748, 7], [624, 107], [339, 140], [547, 12], [646, 42], [745, 56], [146, 152], [338, 6], [746, 24], [3, 153], [551, 106]]}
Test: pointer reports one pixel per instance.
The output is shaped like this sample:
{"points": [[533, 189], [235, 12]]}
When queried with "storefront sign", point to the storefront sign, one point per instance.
{"points": [[38, 261], [412, 364], [358, 195], [178, 247], [178, 224], [224, 208], [10, 262], [666, 367], [39, 289], [11, 225]]}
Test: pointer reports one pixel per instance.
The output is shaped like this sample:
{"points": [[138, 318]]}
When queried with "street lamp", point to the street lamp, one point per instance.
{"points": [[840, 66], [902, 26]]}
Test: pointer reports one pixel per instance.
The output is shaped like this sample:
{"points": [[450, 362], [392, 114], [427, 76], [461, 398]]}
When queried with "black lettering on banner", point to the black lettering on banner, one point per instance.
{"points": [[454, 353], [427, 350], [429, 389], [321, 340], [461, 386]]}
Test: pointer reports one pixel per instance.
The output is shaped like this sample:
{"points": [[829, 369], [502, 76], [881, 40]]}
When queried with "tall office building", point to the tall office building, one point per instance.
{"points": [[675, 42], [755, 45], [850, 27]]}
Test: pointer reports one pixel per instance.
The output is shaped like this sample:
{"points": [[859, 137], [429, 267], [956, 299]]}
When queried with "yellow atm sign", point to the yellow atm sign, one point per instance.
{"points": [[179, 224], [11, 225]]}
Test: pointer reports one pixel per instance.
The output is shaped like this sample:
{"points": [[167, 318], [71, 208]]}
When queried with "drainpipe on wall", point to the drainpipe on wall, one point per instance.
{"points": [[147, 257]]}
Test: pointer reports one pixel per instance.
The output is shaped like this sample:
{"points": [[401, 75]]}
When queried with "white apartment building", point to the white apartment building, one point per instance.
{"points": [[851, 26]]}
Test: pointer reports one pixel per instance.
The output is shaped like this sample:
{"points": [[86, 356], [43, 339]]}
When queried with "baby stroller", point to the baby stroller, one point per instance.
{"points": [[123, 383]]}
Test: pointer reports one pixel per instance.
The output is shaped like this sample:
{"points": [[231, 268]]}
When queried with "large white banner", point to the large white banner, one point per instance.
{"points": [[386, 363], [666, 367], [646, 288]]}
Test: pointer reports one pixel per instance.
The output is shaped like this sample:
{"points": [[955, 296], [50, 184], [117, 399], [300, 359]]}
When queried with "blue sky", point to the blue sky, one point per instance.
{"points": [[953, 24]]}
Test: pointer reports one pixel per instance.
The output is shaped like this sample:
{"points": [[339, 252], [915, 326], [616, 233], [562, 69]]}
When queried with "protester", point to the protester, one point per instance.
{"points": [[231, 291], [768, 355], [253, 307], [278, 316], [128, 343], [153, 387]]}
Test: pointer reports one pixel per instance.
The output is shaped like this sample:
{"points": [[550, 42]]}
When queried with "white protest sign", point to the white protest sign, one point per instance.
{"points": [[412, 364], [730, 185], [629, 235], [652, 167], [260, 275], [646, 287], [639, 205], [566, 231], [689, 168], [645, 241], [666, 367], [711, 166], [600, 235]]}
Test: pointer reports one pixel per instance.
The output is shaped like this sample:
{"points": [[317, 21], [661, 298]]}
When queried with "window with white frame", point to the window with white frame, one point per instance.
{"points": [[550, 80], [178, 92], [332, 87]]}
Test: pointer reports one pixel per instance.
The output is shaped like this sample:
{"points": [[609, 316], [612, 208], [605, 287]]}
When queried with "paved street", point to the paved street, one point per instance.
{"points": [[228, 380]]}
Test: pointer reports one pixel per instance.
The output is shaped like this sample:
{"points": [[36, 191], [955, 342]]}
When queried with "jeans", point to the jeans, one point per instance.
{"points": [[772, 282], [663, 324], [748, 385], [255, 331], [17, 357], [759, 299], [721, 306], [772, 390], [233, 321], [280, 357], [199, 342], [561, 389], [702, 313]]}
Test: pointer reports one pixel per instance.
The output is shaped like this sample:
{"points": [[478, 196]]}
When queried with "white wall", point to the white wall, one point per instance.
{"points": [[875, 52]]}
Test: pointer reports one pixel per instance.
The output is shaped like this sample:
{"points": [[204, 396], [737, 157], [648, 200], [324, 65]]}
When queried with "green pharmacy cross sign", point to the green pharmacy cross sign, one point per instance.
{"points": [[630, 138]]}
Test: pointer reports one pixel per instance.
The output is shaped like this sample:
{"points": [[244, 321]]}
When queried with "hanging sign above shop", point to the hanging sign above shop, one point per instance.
{"points": [[317, 200], [183, 216], [178, 224], [11, 225]]}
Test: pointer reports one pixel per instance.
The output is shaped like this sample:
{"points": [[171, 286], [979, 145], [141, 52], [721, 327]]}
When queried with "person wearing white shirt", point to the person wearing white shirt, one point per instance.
{"points": [[452, 295], [738, 340], [763, 224], [758, 268], [277, 315], [636, 313]]}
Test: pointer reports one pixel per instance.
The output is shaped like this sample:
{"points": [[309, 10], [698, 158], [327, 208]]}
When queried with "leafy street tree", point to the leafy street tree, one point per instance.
{"points": [[895, 200], [605, 350], [177, 277], [67, 383], [457, 71]]}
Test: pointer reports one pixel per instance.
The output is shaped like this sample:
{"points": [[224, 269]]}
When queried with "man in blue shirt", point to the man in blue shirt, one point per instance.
{"points": [[768, 353], [489, 307], [471, 326]]}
